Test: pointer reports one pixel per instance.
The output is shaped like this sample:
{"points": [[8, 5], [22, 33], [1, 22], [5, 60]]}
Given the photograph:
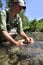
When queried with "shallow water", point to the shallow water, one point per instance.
{"points": [[31, 54], [35, 49]]}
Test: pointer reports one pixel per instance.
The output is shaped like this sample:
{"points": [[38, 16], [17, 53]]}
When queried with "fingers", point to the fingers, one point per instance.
{"points": [[23, 42], [31, 40], [20, 43]]}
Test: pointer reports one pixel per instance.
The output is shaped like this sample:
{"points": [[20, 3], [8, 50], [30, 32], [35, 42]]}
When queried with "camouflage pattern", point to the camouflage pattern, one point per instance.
{"points": [[3, 20], [3, 26]]}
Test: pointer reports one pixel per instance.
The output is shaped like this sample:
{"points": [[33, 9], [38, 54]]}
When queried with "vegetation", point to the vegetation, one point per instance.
{"points": [[1, 4], [36, 25]]}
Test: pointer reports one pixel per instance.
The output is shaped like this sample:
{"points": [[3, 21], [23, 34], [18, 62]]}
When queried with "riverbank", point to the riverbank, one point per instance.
{"points": [[36, 35]]}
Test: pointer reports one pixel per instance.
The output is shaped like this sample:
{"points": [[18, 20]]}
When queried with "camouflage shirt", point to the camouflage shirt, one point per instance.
{"points": [[3, 18]]}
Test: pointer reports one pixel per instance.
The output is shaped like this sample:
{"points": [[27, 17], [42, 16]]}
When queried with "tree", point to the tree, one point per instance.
{"points": [[39, 26], [9, 2], [1, 4], [33, 25]]}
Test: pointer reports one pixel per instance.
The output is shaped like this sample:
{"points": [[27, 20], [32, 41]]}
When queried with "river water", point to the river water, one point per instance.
{"points": [[31, 54], [35, 49]]}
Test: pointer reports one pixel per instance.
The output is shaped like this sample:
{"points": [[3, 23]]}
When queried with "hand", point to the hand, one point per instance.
{"points": [[20, 43], [30, 40]]}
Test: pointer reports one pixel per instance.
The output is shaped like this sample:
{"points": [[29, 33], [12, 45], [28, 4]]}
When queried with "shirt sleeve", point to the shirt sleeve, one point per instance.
{"points": [[19, 27], [3, 20]]}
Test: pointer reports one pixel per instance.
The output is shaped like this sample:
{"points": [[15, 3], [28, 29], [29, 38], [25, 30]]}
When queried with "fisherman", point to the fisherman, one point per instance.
{"points": [[15, 8]]}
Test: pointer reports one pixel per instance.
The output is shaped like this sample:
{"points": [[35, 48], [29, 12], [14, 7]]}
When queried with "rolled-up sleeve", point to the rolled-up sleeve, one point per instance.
{"points": [[19, 27], [3, 20]]}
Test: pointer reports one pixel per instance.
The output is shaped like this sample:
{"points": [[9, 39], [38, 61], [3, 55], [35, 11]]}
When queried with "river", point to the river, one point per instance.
{"points": [[31, 54], [35, 49]]}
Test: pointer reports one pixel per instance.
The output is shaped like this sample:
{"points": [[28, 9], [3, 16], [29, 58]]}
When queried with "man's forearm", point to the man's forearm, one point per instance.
{"points": [[8, 37], [23, 35], [28, 39]]}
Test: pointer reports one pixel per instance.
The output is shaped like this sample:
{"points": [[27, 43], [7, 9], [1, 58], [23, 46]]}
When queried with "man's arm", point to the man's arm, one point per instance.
{"points": [[10, 39], [28, 39], [4, 31], [22, 33]]}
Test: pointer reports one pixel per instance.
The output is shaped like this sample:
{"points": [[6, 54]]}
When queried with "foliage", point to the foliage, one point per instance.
{"points": [[1, 4], [39, 26], [33, 25], [8, 2], [36, 25]]}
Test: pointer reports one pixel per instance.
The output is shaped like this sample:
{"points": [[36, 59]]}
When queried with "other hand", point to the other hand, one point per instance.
{"points": [[30, 40], [20, 43]]}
